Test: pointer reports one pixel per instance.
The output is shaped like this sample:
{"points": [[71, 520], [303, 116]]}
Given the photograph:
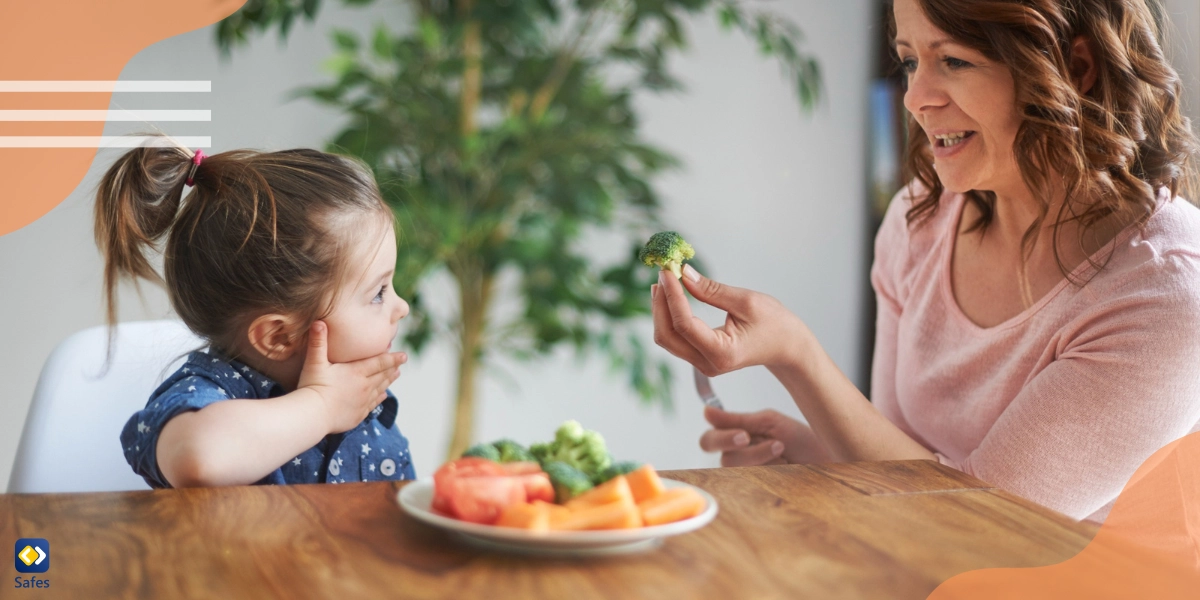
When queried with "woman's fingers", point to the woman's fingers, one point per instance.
{"points": [[723, 440], [756, 454], [693, 330], [665, 335], [756, 423], [725, 297]]}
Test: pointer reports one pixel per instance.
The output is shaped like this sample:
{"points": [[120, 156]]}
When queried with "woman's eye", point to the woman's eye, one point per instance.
{"points": [[908, 65], [955, 63], [379, 297]]}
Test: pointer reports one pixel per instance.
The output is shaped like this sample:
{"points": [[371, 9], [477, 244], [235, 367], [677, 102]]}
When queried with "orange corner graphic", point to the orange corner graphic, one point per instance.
{"points": [[1148, 547], [73, 40]]}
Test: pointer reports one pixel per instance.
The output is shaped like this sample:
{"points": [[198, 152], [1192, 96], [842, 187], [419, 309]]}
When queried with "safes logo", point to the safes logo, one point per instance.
{"points": [[32, 555]]}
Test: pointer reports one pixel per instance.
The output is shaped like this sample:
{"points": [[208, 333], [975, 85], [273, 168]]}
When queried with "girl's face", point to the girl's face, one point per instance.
{"points": [[367, 310], [965, 103]]}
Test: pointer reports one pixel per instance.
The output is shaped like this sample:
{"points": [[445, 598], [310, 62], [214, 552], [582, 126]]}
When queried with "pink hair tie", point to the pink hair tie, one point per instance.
{"points": [[196, 158]]}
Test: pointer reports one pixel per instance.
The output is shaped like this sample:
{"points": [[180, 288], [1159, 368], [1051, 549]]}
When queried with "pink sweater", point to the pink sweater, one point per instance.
{"points": [[1061, 403]]}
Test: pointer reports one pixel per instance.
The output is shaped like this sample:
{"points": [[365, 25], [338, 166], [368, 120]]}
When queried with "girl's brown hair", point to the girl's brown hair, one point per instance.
{"points": [[1114, 146], [259, 232]]}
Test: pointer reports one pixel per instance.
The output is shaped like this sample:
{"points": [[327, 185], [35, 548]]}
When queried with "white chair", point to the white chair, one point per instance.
{"points": [[71, 441]]}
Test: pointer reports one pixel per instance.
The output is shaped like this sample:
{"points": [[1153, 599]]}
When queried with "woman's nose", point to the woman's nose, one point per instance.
{"points": [[924, 92]]}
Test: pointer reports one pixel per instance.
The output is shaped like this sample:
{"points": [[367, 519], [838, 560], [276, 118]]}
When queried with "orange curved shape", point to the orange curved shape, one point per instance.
{"points": [[72, 40], [1148, 547]]}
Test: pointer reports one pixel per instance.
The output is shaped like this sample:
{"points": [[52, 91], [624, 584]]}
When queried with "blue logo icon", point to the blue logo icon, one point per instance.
{"points": [[32, 555]]}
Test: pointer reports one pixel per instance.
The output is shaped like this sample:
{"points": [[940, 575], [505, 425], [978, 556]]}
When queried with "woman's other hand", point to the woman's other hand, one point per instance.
{"points": [[766, 437], [757, 327]]}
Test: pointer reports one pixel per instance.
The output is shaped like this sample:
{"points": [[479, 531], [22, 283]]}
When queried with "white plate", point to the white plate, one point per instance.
{"points": [[415, 499]]}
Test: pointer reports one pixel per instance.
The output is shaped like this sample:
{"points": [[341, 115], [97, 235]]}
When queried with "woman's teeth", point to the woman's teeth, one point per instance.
{"points": [[953, 139]]}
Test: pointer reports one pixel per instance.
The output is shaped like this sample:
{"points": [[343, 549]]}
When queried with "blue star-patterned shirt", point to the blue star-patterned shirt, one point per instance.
{"points": [[375, 450]]}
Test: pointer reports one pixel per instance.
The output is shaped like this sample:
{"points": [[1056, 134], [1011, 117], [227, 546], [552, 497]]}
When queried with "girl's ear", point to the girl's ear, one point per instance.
{"points": [[275, 336]]}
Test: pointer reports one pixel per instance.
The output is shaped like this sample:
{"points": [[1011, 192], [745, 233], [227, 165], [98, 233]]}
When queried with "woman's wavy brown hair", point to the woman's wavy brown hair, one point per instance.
{"points": [[1114, 147]]}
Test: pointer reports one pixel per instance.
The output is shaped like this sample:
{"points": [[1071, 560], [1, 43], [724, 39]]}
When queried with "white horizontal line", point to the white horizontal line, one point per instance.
{"points": [[105, 86], [101, 141], [106, 115]]}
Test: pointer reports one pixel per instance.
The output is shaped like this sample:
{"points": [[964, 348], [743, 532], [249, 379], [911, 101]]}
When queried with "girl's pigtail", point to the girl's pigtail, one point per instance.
{"points": [[136, 205]]}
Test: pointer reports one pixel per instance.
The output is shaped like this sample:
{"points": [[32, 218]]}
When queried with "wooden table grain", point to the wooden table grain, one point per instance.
{"points": [[859, 530]]}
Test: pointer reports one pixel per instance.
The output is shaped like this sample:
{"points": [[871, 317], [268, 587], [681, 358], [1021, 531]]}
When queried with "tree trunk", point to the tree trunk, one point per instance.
{"points": [[475, 286], [475, 291], [472, 83]]}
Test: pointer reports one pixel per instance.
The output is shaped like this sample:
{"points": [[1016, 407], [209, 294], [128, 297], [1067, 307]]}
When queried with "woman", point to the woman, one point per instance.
{"points": [[1038, 282]]}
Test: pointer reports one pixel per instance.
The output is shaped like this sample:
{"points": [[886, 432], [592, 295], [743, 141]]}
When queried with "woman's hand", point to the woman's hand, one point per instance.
{"points": [[765, 437], [757, 328], [349, 391]]}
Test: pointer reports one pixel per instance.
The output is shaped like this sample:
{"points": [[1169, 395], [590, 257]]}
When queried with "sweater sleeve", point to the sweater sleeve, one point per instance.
{"points": [[1123, 382]]}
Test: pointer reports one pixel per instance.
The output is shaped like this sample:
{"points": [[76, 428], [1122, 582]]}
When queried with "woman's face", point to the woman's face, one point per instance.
{"points": [[965, 103]]}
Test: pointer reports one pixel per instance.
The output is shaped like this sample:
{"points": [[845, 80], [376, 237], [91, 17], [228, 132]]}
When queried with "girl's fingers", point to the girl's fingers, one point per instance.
{"points": [[384, 378], [383, 363], [722, 440], [757, 454], [318, 341]]}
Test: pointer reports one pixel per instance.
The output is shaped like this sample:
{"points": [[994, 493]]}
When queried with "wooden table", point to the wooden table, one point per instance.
{"points": [[862, 530]]}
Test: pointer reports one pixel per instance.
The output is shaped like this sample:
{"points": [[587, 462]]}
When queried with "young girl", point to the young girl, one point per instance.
{"points": [[283, 262]]}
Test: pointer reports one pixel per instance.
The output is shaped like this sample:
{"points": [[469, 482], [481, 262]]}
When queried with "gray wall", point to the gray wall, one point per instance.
{"points": [[1183, 39]]}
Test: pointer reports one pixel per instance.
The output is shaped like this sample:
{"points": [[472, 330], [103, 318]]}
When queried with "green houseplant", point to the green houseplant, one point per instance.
{"points": [[502, 132]]}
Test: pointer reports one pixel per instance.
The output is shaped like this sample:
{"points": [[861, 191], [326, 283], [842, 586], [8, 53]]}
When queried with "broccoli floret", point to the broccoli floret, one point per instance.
{"points": [[617, 468], [487, 451], [570, 432], [666, 249], [511, 451], [541, 452], [582, 449], [568, 481]]}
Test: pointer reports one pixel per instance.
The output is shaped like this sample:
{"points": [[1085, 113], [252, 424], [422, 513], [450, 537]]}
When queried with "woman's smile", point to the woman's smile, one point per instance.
{"points": [[949, 143]]}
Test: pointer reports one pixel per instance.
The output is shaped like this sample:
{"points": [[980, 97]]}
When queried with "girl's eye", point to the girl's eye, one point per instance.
{"points": [[379, 297]]}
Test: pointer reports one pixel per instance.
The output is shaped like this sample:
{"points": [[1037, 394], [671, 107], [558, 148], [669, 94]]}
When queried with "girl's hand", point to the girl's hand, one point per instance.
{"points": [[766, 437], [757, 330], [349, 391]]}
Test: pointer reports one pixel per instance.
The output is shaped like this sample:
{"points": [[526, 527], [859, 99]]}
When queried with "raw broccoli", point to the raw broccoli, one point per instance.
{"points": [[585, 450], [511, 451], [487, 451], [541, 451], [667, 250], [617, 468], [568, 481]]}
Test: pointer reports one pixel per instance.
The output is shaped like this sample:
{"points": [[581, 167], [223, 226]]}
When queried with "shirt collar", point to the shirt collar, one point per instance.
{"points": [[386, 412]]}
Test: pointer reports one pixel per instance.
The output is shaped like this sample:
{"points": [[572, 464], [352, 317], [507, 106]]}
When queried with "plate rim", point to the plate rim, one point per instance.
{"points": [[554, 538]]}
